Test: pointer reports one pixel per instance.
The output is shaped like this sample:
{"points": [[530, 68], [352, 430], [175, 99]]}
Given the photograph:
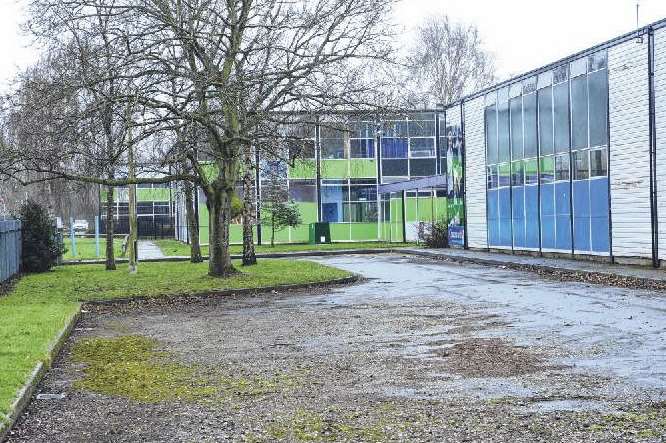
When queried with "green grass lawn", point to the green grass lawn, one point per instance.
{"points": [[85, 248], [177, 248], [40, 304]]}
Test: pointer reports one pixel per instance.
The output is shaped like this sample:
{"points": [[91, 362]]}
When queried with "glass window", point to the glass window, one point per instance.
{"points": [[362, 190], [597, 61], [394, 148], [517, 177], [422, 147], [581, 161], [578, 67], [561, 116], [144, 208], [301, 149], [504, 153], [491, 134], [546, 120], [362, 148], [504, 174], [360, 212], [303, 190], [531, 172], [492, 177], [396, 128], [599, 163], [529, 85], [422, 128], [333, 193], [161, 208], [333, 148], [422, 167], [547, 169], [516, 108], [530, 125], [579, 112], [598, 90], [144, 185], [395, 168], [562, 167], [560, 74]]}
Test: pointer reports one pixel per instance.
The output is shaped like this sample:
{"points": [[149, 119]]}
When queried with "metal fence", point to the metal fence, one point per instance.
{"points": [[10, 248]]}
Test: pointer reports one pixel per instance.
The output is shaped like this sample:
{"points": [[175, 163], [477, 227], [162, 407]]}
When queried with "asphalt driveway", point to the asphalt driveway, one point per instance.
{"points": [[421, 351]]}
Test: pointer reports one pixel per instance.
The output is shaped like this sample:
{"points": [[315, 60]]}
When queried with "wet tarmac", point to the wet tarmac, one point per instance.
{"points": [[419, 351]]}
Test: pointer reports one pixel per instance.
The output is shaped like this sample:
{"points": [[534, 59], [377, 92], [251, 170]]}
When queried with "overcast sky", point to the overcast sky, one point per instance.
{"points": [[522, 34]]}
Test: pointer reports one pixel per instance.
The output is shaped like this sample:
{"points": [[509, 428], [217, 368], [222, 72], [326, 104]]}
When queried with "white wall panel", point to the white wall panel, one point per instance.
{"points": [[629, 149], [660, 117], [475, 174]]}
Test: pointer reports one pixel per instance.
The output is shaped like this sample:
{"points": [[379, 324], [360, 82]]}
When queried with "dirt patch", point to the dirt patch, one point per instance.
{"points": [[490, 357]]}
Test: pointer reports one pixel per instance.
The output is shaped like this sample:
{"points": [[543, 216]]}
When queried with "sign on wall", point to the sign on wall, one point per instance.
{"points": [[454, 179]]}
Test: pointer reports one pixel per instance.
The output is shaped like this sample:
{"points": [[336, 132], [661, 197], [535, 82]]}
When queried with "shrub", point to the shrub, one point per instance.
{"points": [[41, 245], [433, 235]]}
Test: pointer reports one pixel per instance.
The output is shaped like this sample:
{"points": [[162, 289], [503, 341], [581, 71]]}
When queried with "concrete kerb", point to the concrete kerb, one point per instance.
{"points": [[536, 267], [24, 395], [229, 292]]}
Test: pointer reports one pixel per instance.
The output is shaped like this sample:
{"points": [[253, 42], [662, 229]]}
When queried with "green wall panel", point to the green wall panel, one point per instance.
{"points": [[203, 224], [300, 233], [308, 212], [363, 168], [364, 231], [157, 195], [303, 169], [335, 168], [340, 232]]}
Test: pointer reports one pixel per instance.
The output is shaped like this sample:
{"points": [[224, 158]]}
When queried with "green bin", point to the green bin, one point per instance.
{"points": [[320, 233]]}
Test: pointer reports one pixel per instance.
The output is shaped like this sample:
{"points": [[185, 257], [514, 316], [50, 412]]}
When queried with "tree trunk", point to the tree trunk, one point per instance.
{"points": [[219, 213], [133, 237], [192, 224], [110, 256], [249, 254], [272, 231]]}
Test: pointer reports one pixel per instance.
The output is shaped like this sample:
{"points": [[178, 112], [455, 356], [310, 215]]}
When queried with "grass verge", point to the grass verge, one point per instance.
{"points": [[86, 250], [177, 248], [39, 305]]}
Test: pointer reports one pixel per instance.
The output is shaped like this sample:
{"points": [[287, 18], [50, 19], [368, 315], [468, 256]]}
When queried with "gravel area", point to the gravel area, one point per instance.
{"points": [[422, 350]]}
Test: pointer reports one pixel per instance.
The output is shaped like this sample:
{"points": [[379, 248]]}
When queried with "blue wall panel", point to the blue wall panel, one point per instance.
{"points": [[493, 218], [532, 216], [548, 216], [504, 217], [581, 208], [562, 217], [599, 214], [518, 216]]}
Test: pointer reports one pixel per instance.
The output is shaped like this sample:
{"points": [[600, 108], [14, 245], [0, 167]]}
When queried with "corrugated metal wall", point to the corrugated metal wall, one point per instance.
{"points": [[475, 174], [660, 114], [10, 248], [629, 149]]}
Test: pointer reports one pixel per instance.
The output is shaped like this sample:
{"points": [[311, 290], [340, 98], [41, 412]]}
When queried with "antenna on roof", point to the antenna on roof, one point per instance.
{"points": [[638, 5]]}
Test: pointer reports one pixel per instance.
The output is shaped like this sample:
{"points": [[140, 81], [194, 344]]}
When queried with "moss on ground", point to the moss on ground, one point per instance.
{"points": [[133, 367], [648, 423]]}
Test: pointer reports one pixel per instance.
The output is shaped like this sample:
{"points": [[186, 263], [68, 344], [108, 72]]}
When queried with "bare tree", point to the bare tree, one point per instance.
{"points": [[238, 66], [447, 61]]}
